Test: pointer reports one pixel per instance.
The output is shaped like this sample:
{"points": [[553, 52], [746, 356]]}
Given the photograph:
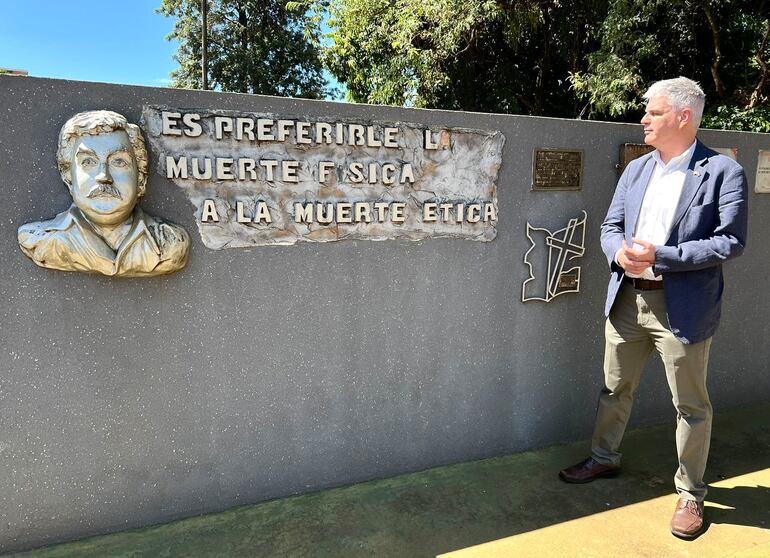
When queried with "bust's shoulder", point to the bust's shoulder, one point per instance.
{"points": [[31, 234], [165, 232], [52, 242], [172, 239]]}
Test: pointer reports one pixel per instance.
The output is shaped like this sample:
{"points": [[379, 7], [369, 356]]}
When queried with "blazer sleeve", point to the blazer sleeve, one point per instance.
{"points": [[613, 227], [728, 239]]}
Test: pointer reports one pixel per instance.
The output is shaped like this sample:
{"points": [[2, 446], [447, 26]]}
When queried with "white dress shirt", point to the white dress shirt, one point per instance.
{"points": [[660, 201]]}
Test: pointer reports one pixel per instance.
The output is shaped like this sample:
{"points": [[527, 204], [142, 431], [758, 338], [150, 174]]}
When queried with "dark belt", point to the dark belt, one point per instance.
{"points": [[643, 284]]}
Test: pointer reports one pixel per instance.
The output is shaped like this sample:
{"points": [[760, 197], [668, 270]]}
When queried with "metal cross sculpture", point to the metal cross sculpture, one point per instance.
{"points": [[562, 246]]}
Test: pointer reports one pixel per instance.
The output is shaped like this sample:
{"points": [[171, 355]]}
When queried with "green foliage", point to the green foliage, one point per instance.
{"points": [[480, 55], [613, 89], [254, 46], [731, 117], [719, 43], [567, 58], [629, 38], [590, 59]]}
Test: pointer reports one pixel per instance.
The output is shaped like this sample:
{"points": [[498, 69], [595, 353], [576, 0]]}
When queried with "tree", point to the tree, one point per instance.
{"points": [[568, 58], [723, 44], [482, 55], [591, 59], [254, 46]]}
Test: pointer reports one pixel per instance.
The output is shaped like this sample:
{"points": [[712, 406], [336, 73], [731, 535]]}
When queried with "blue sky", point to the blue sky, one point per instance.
{"points": [[59, 39]]}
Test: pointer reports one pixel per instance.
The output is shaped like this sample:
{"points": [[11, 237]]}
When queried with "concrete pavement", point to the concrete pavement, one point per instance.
{"points": [[507, 506]]}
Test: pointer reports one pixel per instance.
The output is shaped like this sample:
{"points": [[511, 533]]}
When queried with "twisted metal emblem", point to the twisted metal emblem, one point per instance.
{"points": [[556, 249]]}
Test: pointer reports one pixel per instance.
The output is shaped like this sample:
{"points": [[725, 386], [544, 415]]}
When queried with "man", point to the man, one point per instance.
{"points": [[103, 161], [678, 213]]}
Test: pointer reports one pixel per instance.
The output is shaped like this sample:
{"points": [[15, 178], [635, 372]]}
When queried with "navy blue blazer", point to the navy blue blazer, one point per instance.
{"points": [[709, 228]]}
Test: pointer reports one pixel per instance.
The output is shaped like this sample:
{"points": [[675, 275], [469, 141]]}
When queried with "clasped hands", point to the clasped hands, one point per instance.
{"points": [[635, 260]]}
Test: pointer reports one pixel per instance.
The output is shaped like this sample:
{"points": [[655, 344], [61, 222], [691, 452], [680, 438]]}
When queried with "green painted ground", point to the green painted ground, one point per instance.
{"points": [[451, 508]]}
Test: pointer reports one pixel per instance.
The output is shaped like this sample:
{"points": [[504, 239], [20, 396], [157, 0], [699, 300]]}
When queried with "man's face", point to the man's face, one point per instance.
{"points": [[663, 126], [104, 177]]}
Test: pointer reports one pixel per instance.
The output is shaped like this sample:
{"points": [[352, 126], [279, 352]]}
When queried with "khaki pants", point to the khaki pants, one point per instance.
{"points": [[635, 327]]}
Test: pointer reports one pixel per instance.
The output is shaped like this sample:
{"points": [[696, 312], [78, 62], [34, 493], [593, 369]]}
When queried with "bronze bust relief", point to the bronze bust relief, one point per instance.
{"points": [[103, 161]]}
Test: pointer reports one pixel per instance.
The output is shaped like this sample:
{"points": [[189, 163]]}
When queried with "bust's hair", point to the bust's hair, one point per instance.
{"points": [[682, 93], [95, 122]]}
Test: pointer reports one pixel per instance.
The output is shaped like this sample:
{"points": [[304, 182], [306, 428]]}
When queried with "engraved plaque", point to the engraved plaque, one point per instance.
{"points": [[557, 169], [631, 151], [762, 179], [568, 281], [259, 179]]}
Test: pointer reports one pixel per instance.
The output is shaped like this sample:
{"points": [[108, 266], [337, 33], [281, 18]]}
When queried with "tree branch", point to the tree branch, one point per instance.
{"points": [[756, 95], [527, 103], [720, 86]]}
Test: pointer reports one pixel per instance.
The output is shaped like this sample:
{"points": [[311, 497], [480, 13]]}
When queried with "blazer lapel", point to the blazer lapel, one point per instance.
{"points": [[696, 175], [636, 196]]}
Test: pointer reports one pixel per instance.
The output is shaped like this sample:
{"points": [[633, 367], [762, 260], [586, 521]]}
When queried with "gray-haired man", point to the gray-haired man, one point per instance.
{"points": [[677, 214]]}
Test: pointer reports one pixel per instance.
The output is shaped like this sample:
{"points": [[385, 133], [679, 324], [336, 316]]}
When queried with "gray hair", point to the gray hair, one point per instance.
{"points": [[681, 93], [95, 122]]}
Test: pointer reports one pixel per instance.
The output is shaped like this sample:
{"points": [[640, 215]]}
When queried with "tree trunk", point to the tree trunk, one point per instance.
{"points": [[718, 84], [756, 95], [545, 63]]}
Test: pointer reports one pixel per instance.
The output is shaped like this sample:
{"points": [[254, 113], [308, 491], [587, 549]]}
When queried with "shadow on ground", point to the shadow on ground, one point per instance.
{"points": [[455, 507], [743, 506]]}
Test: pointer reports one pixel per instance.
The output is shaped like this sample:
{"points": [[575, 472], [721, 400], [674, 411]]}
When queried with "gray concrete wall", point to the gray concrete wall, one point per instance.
{"points": [[259, 373]]}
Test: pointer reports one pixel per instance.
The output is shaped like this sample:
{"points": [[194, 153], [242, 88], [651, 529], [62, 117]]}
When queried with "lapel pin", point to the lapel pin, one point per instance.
{"points": [[696, 173]]}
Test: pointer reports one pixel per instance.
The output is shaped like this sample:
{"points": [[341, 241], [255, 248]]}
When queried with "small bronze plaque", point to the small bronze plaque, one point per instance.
{"points": [[568, 281], [557, 169], [631, 151]]}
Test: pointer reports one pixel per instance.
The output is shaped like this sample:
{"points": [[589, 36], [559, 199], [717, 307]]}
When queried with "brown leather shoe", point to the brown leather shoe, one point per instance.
{"points": [[588, 470], [687, 522]]}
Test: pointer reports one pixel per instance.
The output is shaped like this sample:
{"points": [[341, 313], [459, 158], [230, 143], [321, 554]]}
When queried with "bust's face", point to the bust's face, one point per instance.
{"points": [[104, 177]]}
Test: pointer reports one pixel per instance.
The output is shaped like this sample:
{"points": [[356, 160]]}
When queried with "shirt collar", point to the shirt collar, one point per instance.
{"points": [[676, 163], [138, 229]]}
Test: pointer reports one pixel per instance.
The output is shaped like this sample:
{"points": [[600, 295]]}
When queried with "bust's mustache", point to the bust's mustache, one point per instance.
{"points": [[104, 190]]}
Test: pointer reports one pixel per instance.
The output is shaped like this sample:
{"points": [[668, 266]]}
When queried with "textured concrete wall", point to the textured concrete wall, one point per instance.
{"points": [[264, 372]]}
